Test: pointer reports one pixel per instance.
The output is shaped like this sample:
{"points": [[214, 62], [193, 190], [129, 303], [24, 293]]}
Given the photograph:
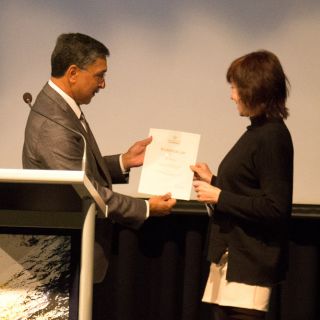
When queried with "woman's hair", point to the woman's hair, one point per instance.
{"points": [[261, 82]]}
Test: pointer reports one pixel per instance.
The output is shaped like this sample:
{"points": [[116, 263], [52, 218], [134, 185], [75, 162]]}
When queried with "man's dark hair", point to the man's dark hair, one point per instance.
{"points": [[261, 82], [75, 48]]}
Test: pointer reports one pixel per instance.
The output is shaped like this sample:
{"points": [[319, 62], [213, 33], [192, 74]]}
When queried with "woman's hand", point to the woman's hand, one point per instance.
{"points": [[206, 192], [202, 172]]}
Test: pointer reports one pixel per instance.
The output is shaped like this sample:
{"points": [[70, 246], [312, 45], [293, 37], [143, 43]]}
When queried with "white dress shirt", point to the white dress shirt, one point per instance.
{"points": [[233, 294]]}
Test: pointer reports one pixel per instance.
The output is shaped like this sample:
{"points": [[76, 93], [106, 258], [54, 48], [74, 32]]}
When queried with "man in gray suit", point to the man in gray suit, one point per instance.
{"points": [[53, 139]]}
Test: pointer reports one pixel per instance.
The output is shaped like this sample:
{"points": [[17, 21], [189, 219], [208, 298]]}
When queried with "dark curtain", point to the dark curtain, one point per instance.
{"points": [[298, 298], [159, 272]]}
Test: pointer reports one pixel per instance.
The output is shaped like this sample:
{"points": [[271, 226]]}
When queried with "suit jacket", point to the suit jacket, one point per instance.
{"points": [[48, 145]]}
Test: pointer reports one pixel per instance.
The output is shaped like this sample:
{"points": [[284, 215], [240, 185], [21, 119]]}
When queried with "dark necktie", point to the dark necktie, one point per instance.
{"points": [[84, 121], [95, 148], [86, 126]]}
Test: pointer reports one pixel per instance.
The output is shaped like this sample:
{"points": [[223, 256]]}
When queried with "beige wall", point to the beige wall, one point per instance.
{"points": [[167, 70]]}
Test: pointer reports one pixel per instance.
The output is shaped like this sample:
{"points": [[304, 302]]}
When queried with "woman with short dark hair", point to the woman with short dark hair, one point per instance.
{"points": [[250, 198]]}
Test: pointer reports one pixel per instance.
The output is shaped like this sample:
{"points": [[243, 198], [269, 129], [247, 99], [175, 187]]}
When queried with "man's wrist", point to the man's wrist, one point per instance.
{"points": [[123, 169]]}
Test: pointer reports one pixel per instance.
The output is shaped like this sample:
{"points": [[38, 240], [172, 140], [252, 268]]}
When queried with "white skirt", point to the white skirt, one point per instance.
{"points": [[233, 294]]}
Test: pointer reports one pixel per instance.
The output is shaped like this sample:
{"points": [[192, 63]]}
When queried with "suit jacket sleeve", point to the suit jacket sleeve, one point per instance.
{"points": [[113, 164]]}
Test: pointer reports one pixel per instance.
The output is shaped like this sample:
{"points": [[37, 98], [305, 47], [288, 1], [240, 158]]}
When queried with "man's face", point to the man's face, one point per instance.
{"points": [[89, 81]]}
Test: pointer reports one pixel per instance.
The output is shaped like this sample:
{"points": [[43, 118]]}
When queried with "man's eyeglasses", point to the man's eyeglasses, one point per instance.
{"points": [[100, 77]]}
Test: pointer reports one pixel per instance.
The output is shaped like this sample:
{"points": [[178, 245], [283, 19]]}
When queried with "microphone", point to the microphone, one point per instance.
{"points": [[27, 98]]}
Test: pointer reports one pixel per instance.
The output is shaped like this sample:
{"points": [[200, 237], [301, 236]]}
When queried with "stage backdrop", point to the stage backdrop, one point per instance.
{"points": [[167, 70]]}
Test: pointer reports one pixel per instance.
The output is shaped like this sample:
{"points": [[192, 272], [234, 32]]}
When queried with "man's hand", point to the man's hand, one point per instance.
{"points": [[206, 192], [202, 172], [161, 205], [135, 155]]}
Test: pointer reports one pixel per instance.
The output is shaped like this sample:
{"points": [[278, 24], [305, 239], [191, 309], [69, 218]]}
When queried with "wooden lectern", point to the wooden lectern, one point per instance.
{"points": [[55, 199]]}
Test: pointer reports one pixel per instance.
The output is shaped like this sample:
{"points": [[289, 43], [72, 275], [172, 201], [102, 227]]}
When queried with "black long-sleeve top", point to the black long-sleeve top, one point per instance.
{"points": [[251, 217]]}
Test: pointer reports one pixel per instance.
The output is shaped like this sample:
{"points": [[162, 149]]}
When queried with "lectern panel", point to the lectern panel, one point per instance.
{"points": [[39, 197]]}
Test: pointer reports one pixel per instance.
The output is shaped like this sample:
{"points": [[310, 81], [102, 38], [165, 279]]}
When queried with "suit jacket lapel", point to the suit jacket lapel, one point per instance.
{"points": [[71, 116]]}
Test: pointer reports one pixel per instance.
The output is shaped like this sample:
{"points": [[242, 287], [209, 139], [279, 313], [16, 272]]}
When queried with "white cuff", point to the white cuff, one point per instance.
{"points": [[148, 209], [209, 209]]}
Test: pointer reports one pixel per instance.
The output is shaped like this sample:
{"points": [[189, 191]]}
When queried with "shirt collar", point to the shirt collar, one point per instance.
{"points": [[72, 104]]}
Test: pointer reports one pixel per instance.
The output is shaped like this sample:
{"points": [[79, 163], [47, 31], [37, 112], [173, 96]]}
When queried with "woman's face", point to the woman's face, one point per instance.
{"points": [[243, 110]]}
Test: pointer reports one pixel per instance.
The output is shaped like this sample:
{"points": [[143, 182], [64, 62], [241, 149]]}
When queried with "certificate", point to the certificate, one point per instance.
{"points": [[167, 163]]}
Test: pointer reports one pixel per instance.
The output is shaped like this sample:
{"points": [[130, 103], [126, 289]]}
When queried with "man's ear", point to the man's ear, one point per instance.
{"points": [[72, 73]]}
